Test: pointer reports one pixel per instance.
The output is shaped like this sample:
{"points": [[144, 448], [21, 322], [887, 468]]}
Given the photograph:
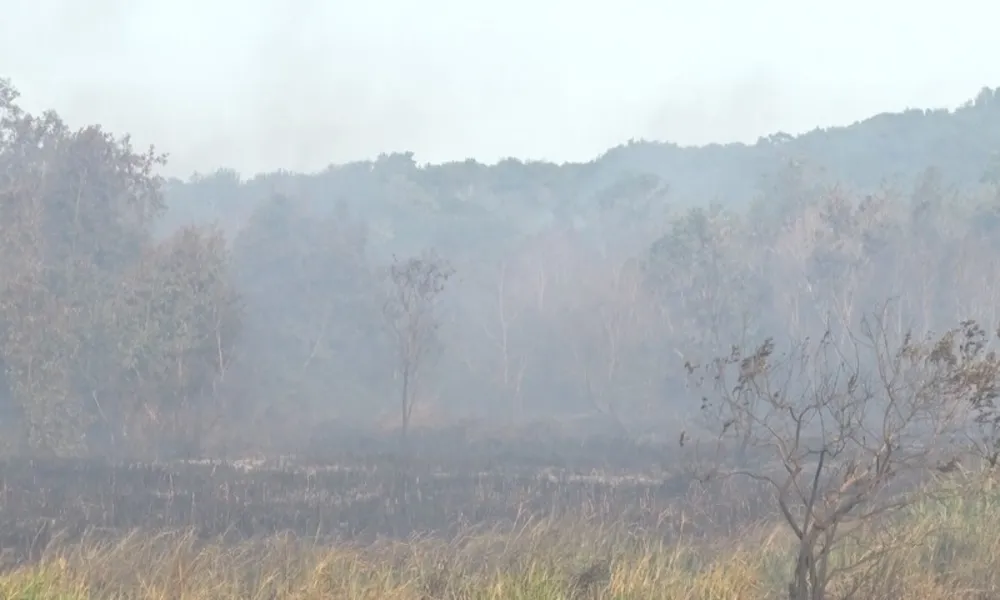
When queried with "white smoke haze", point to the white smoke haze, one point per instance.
{"points": [[258, 85]]}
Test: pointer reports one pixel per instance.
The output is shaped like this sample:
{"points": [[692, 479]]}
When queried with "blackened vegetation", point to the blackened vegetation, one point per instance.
{"points": [[347, 500]]}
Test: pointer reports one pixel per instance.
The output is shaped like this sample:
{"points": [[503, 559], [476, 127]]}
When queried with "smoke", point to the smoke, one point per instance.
{"points": [[259, 85]]}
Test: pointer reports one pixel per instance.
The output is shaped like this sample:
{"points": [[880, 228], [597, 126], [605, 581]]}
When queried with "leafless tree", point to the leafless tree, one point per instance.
{"points": [[612, 324], [984, 434], [415, 286], [511, 368], [844, 435]]}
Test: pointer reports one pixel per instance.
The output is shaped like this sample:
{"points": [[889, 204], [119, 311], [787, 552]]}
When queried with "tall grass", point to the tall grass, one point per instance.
{"points": [[946, 547]]}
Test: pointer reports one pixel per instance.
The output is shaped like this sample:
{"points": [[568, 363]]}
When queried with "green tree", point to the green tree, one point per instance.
{"points": [[79, 343]]}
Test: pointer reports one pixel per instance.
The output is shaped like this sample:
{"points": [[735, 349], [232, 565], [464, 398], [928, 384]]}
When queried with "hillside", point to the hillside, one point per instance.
{"points": [[512, 196]]}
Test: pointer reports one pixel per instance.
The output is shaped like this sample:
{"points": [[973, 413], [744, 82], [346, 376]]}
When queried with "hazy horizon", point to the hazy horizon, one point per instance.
{"points": [[258, 88]]}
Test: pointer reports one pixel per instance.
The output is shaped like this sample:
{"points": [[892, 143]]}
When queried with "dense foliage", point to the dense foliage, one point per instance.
{"points": [[143, 317]]}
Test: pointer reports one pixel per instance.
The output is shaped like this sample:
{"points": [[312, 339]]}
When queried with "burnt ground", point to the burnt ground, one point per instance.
{"points": [[346, 498]]}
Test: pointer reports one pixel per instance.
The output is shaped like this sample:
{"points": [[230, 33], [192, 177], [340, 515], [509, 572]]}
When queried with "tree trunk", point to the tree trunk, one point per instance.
{"points": [[405, 405]]}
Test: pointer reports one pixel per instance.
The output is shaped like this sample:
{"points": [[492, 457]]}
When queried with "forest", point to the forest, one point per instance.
{"points": [[144, 317], [376, 302]]}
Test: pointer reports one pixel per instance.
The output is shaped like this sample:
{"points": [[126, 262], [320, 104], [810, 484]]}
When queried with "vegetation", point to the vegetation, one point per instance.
{"points": [[810, 317], [416, 284], [939, 550], [577, 289], [841, 435]]}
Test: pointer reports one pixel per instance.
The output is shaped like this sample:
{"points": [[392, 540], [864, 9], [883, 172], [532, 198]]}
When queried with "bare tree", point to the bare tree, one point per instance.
{"points": [[984, 435], [610, 327], [415, 288], [511, 368], [844, 436]]}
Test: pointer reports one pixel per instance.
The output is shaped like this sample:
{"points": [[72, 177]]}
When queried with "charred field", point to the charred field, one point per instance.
{"points": [[348, 497], [594, 519]]}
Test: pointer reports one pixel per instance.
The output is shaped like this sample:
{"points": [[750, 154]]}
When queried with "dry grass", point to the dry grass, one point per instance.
{"points": [[939, 549]]}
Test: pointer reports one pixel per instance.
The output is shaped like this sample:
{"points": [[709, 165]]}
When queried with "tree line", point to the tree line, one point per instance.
{"points": [[147, 317]]}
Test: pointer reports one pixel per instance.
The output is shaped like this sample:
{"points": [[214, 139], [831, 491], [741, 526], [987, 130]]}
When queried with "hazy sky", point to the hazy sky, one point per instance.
{"points": [[260, 85]]}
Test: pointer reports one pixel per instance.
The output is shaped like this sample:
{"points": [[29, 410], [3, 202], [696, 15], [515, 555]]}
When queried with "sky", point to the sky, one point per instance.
{"points": [[263, 85]]}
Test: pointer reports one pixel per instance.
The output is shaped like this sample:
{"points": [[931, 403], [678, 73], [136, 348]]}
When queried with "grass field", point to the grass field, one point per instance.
{"points": [[945, 548]]}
